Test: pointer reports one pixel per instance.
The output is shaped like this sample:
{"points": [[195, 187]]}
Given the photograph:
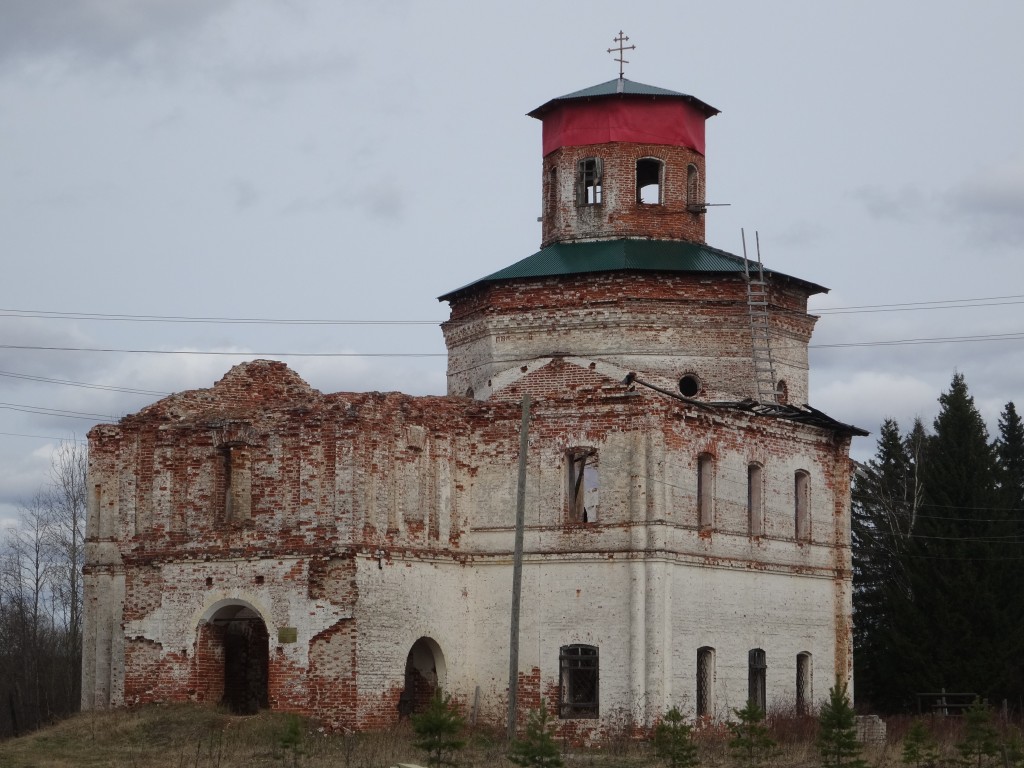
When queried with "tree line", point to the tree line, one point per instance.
{"points": [[41, 600], [938, 560]]}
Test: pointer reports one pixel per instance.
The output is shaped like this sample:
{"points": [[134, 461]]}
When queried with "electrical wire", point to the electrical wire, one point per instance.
{"points": [[83, 384], [983, 301]]}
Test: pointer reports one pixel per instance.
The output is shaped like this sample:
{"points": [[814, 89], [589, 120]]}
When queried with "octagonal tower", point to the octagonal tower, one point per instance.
{"points": [[623, 159], [624, 281]]}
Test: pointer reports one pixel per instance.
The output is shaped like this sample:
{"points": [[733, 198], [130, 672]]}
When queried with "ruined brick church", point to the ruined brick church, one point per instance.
{"points": [[687, 533]]}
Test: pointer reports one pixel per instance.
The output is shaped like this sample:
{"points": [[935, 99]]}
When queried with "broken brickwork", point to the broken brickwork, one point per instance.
{"points": [[262, 544]]}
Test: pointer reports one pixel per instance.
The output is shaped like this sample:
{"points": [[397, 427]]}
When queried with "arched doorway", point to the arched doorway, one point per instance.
{"points": [[425, 673], [233, 659]]}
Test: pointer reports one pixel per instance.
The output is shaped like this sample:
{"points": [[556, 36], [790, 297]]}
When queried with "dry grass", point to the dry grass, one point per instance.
{"points": [[190, 736]]}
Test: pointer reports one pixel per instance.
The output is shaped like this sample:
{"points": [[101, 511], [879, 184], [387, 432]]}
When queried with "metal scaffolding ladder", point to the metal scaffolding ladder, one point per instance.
{"points": [[760, 335]]}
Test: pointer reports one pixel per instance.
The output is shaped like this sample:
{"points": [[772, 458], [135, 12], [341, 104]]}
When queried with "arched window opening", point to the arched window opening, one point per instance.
{"points": [[552, 196], [694, 190], [782, 392], [755, 496], [578, 676], [804, 692], [589, 181], [583, 484], [234, 478], [706, 491], [649, 180], [757, 677], [705, 682], [802, 504]]}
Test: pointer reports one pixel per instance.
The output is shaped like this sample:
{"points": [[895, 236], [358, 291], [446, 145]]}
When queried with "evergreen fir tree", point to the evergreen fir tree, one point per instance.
{"points": [[885, 498], [750, 743], [673, 741], [981, 741], [437, 730], [919, 749], [1010, 459], [957, 623], [837, 738], [538, 747]]}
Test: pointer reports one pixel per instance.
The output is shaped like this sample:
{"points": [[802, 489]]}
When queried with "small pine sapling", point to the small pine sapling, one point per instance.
{"points": [[437, 730], [673, 741], [837, 738], [537, 747], [750, 743], [919, 749], [981, 741]]}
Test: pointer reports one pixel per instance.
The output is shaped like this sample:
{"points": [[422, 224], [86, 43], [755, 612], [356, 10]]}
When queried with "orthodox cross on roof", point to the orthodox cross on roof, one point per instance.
{"points": [[621, 39]]}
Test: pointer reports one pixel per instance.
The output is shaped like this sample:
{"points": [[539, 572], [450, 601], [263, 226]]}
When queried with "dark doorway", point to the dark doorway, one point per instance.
{"points": [[424, 674], [245, 644]]}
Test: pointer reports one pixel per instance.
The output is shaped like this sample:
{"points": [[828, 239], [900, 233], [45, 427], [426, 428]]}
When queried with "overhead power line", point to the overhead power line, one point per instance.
{"points": [[221, 354], [912, 306], [41, 411], [45, 437], [47, 314], [1014, 336], [83, 384]]}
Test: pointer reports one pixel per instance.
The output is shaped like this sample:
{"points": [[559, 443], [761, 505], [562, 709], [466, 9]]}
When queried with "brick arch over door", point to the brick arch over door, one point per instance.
{"points": [[232, 658]]}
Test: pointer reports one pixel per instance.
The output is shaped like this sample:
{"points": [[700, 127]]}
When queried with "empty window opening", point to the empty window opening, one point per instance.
{"points": [[236, 481], [424, 675], [583, 484], [802, 504], [588, 181], [782, 392], [96, 503], [578, 673], [705, 682], [755, 494], [552, 196], [694, 190], [689, 385], [757, 676], [648, 180], [706, 491], [803, 683]]}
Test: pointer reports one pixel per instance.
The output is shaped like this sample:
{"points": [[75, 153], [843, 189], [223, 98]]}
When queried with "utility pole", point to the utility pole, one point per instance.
{"points": [[517, 569]]}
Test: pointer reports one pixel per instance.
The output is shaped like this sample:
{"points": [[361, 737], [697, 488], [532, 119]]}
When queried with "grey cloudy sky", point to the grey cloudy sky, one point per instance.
{"points": [[350, 160]]}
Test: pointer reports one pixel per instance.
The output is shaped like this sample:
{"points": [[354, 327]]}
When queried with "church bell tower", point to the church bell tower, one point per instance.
{"points": [[623, 160]]}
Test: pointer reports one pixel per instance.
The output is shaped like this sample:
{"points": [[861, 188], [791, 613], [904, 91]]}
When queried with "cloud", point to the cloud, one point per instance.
{"points": [[99, 30], [907, 203], [384, 199], [992, 200], [244, 194]]}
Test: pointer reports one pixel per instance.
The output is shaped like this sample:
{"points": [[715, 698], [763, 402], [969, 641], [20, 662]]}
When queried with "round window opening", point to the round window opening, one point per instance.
{"points": [[689, 385]]}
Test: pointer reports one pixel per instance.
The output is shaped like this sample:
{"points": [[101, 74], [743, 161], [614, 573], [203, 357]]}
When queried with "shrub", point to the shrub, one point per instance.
{"points": [[537, 747], [750, 742], [438, 729], [673, 741], [919, 748], [837, 739], [981, 742]]}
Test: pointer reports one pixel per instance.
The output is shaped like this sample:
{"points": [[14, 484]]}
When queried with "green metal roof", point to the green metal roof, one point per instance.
{"points": [[623, 87], [624, 255]]}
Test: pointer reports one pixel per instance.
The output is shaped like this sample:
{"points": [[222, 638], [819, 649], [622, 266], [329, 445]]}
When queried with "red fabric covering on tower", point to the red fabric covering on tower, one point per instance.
{"points": [[644, 122]]}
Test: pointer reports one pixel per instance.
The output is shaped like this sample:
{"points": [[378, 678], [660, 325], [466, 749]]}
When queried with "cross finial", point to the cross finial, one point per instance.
{"points": [[621, 39]]}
